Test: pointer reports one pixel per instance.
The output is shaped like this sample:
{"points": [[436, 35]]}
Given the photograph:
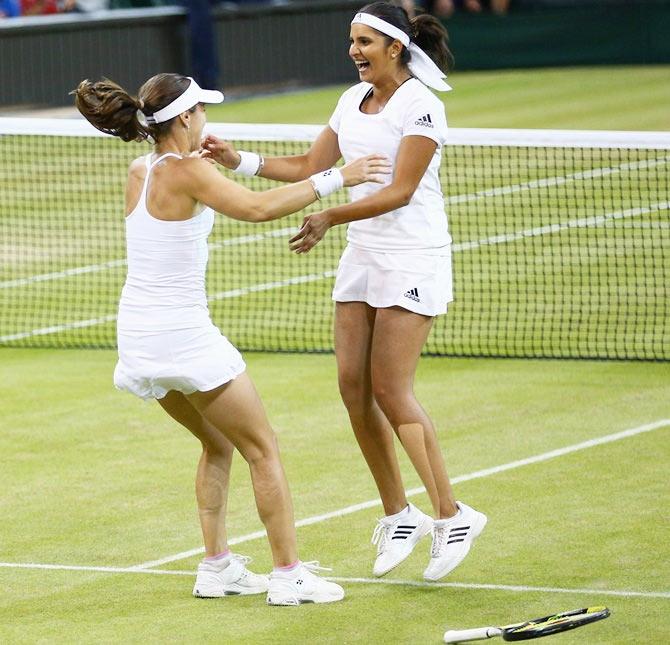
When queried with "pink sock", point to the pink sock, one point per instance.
{"points": [[218, 557], [289, 567]]}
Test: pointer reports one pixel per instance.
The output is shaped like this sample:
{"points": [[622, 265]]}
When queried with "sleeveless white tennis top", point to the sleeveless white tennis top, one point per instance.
{"points": [[167, 262]]}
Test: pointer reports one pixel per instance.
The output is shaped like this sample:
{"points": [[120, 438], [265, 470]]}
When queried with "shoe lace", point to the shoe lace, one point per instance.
{"points": [[381, 536], [242, 559], [314, 566], [439, 540]]}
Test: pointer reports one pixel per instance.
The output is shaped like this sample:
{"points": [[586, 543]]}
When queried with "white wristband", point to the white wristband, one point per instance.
{"points": [[250, 163], [327, 182]]}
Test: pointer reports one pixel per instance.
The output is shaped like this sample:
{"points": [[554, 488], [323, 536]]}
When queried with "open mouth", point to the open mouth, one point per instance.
{"points": [[362, 65]]}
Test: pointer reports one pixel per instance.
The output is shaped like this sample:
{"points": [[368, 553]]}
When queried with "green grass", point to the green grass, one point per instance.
{"points": [[588, 98], [93, 477]]}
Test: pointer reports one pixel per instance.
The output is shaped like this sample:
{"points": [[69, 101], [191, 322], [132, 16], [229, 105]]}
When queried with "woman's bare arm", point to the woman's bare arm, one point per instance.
{"points": [[414, 155], [323, 154], [205, 184]]}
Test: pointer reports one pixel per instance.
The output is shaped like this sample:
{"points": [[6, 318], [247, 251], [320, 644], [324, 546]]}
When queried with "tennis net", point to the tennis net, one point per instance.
{"points": [[561, 244]]}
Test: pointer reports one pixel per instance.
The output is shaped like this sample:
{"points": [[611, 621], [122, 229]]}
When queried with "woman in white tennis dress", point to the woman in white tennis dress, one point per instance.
{"points": [[170, 350], [394, 276]]}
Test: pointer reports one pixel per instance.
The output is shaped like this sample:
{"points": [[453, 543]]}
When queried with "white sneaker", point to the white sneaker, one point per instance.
{"points": [[452, 539], [302, 586], [396, 538], [215, 580]]}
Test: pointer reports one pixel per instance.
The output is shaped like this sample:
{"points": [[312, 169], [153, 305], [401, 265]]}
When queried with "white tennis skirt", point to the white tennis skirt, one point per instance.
{"points": [[416, 282], [150, 365]]}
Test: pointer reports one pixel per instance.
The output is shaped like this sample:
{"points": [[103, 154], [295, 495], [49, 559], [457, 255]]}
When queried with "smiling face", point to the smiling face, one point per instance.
{"points": [[374, 58]]}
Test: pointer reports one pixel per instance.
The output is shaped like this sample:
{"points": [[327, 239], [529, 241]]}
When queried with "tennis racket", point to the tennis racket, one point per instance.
{"points": [[535, 628]]}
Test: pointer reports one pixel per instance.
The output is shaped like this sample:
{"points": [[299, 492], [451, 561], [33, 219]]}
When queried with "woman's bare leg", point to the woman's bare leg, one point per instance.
{"points": [[354, 324], [236, 410], [399, 336], [213, 474]]}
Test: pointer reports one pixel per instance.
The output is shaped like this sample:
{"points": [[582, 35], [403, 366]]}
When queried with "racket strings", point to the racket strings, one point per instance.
{"points": [[556, 623]]}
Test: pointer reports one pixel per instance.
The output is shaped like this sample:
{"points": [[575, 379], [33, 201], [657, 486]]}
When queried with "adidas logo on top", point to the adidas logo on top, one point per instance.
{"points": [[425, 120], [413, 294]]}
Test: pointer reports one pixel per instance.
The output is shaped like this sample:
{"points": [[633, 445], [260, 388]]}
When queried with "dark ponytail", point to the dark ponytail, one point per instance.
{"points": [[109, 108], [431, 36], [425, 30]]}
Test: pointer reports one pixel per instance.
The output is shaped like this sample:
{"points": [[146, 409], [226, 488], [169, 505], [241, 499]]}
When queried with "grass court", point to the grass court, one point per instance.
{"points": [[99, 538]]}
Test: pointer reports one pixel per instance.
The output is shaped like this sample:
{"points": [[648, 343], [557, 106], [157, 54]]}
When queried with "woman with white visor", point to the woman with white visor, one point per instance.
{"points": [[394, 276], [170, 350]]}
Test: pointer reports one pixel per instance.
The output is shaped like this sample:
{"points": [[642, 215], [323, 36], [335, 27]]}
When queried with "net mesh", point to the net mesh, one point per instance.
{"points": [[561, 245]]}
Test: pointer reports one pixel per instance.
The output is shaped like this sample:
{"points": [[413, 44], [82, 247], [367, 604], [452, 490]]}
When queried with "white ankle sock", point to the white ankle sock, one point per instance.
{"points": [[290, 571], [447, 520], [221, 560], [399, 515]]}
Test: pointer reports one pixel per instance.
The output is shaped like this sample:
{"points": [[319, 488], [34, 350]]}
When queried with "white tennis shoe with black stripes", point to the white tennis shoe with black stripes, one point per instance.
{"points": [[452, 539], [396, 537]]}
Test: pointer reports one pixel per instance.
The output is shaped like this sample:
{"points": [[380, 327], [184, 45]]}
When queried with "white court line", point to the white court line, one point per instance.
{"points": [[623, 593], [267, 286], [54, 329], [222, 295], [316, 519], [582, 222], [65, 273], [112, 264], [557, 181], [492, 587], [75, 567], [454, 199]]}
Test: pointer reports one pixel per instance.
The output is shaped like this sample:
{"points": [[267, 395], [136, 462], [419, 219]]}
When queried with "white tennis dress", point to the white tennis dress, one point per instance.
{"points": [[166, 338], [403, 257]]}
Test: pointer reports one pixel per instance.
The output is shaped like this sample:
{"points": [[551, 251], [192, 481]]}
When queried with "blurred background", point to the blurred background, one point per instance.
{"points": [[256, 46]]}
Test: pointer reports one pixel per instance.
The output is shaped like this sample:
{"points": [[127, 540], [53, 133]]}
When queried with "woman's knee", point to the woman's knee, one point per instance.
{"points": [[354, 390], [260, 448], [215, 443], [393, 399], [219, 453]]}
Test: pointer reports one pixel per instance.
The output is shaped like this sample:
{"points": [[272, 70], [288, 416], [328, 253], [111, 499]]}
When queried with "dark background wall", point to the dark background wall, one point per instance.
{"points": [[42, 58], [564, 32]]}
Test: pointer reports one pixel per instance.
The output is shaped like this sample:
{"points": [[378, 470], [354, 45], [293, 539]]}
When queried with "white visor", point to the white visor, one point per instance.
{"points": [[193, 95], [420, 65]]}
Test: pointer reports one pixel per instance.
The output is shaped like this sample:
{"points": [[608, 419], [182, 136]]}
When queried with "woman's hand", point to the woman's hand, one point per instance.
{"points": [[313, 228], [202, 154], [220, 151], [371, 168]]}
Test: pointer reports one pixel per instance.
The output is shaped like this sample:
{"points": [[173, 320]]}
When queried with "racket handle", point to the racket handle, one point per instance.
{"points": [[477, 634]]}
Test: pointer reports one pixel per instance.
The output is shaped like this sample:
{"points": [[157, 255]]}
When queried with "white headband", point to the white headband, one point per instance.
{"points": [[191, 96], [421, 65]]}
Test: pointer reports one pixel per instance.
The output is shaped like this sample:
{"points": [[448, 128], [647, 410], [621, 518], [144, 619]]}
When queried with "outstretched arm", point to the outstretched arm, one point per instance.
{"points": [[205, 184], [414, 155], [323, 154]]}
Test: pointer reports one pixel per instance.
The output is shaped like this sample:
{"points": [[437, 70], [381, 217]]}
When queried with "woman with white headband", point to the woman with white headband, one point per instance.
{"points": [[170, 350], [395, 274]]}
